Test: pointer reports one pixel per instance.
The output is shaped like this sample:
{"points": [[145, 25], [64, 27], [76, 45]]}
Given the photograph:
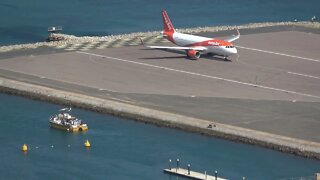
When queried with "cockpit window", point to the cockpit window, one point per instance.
{"points": [[229, 46]]}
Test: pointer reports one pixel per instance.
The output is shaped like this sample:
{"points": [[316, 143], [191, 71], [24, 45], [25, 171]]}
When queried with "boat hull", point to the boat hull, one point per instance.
{"points": [[69, 128]]}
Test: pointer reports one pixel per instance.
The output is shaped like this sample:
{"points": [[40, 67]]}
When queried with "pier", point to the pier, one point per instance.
{"points": [[191, 174]]}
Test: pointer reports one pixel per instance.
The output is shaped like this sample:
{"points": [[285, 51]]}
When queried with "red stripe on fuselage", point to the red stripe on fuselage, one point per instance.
{"points": [[211, 42]]}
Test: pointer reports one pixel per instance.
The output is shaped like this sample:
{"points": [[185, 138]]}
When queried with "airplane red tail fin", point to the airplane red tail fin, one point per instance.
{"points": [[167, 25]]}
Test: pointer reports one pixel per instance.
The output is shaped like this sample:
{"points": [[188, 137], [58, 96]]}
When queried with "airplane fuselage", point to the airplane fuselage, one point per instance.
{"points": [[213, 46]]}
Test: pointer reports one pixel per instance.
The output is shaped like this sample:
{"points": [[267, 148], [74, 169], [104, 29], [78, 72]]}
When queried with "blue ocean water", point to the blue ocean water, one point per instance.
{"points": [[124, 149], [27, 21]]}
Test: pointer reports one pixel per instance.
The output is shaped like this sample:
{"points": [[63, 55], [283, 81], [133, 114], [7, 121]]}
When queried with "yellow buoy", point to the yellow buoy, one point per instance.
{"points": [[87, 143], [24, 147]]}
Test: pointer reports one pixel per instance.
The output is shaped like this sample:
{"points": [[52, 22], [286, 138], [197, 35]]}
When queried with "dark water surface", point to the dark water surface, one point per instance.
{"points": [[27, 21], [124, 149]]}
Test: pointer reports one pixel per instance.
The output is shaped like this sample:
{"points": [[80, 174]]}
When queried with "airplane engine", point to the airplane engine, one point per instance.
{"points": [[193, 54]]}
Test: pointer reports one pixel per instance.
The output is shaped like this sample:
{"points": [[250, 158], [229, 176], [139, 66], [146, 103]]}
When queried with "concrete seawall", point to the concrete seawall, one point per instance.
{"points": [[276, 142]]}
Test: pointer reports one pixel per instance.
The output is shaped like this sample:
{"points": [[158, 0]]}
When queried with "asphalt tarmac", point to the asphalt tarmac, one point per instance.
{"points": [[273, 85]]}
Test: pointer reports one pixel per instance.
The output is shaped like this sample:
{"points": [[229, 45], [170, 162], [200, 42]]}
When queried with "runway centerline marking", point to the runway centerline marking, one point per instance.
{"points": [[281, 54], [201, 75], [304, 75]]}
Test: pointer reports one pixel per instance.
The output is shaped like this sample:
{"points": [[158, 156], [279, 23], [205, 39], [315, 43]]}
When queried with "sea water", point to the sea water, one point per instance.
{"points": [[27, 21], [125, 149]]}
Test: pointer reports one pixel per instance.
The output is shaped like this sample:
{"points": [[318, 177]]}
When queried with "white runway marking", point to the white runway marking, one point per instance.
{"points": [[201, 75], [281, 54], [305, 75]]}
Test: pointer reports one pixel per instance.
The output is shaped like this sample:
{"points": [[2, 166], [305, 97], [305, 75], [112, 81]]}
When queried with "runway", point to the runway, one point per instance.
{"points": [[273, 86]]}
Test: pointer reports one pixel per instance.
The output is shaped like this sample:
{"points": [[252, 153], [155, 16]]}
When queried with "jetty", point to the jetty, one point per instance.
{"points": [[192, 174]]}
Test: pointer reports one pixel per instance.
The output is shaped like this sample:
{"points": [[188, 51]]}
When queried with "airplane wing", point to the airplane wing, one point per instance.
{"points": [[234, 37], [198, 48]]}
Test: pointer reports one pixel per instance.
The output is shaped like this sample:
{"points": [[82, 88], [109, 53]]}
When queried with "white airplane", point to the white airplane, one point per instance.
{"points": [[196, 45]]}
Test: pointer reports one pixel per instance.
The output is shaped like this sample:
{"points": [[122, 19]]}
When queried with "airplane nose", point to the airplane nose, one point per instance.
{"points": [[235, 51]]}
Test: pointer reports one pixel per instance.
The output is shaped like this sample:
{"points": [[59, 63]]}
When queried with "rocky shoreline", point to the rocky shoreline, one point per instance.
{"points": [[71, 39]]}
